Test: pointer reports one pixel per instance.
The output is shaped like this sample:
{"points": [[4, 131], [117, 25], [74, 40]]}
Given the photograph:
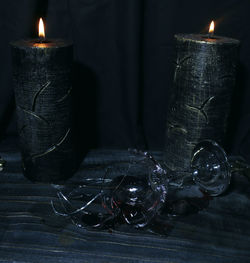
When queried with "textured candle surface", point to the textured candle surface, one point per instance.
{"points": [[204, 78], [42, 85]]}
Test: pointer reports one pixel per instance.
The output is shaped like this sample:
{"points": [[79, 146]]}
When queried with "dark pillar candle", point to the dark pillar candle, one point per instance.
{"points": [[204, 78], [42, 86]]}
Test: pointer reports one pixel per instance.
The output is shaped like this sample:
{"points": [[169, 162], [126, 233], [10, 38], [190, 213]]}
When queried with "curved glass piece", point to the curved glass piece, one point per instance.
{"points": [[2, 164], [137, 194], [135, 191], [210, 167], [134, 195]]}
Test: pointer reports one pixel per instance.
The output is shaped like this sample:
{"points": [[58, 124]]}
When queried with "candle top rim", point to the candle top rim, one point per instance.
{"points": [[204, 38], [48, 43]]}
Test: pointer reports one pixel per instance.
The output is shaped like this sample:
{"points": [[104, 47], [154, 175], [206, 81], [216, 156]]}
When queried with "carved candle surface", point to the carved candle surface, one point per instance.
{"points": [[204, 78], [42, 85]]}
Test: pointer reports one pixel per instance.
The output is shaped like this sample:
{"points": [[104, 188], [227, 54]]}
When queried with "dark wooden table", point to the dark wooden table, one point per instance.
{"points": [[31, 232]]}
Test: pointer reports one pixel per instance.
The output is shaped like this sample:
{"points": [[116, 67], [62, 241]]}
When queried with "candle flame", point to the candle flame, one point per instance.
{"points": [[211, 28], [41, 28]]}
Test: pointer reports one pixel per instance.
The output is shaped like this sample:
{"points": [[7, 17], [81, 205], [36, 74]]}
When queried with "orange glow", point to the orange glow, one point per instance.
{"points": [[41, 29], [211, 28]]}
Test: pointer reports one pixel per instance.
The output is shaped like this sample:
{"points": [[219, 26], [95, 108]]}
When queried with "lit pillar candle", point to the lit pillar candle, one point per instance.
{"points": [[204, 78], [42, 86]]}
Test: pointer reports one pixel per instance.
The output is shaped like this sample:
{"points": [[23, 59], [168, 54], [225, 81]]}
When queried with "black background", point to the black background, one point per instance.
{"points": [[124, 51]]}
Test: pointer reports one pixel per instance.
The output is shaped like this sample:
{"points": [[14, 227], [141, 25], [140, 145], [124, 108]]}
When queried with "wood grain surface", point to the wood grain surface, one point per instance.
{"points": [[31, 232]]}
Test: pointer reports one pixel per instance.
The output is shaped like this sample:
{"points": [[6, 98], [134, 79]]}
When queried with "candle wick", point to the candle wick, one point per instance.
{"points": [[41, 40], [210, 35]]}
